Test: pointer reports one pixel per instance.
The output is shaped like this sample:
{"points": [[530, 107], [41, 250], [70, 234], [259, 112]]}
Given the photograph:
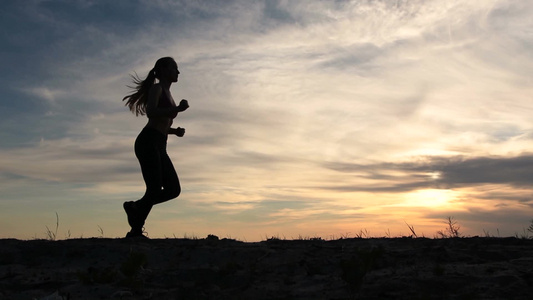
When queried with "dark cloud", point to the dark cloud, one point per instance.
{"points": [[274, 10], [439, 172], [459, 172], [524, 196], [502, 217]]}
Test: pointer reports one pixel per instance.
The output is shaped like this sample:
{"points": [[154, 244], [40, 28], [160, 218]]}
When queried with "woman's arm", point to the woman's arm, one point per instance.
{"points": [[177, 131]]}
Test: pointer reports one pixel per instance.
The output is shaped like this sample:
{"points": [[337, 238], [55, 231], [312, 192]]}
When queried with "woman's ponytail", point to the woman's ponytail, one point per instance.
{"points": [[139, 98]]}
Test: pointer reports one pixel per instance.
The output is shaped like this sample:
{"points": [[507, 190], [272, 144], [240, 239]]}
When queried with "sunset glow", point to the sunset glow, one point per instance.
{"points": [[431, 198]]}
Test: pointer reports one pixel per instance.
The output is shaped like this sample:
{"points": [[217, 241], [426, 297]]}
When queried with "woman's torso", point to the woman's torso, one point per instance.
{"points": [[162, 124]]}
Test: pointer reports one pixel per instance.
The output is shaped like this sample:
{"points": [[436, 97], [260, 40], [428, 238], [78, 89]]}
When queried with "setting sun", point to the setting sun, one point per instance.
{"points": [[430, 198]]}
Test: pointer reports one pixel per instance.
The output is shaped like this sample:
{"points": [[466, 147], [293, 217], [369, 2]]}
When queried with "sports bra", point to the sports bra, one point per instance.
{"points": [[164, 101]]}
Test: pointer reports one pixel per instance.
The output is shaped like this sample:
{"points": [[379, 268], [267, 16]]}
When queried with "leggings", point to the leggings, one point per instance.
{"points": [[162, 183]]}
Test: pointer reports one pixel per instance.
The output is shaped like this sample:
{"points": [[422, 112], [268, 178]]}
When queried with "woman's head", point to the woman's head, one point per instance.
{"points": [[165, 70]]}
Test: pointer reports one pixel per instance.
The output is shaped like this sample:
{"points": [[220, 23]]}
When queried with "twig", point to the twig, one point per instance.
{"points": [[52, 235], [412, 229]]}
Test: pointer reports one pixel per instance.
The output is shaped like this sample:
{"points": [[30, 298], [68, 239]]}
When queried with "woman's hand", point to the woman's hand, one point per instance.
{"points": [[179, 131], [184, 104]]}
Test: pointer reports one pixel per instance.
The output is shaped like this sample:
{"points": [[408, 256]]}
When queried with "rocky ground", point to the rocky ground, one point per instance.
{"points": [[388, 268]]}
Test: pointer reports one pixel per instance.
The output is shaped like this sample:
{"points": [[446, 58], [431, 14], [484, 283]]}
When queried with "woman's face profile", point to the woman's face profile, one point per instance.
{"points": [[172, 72]]}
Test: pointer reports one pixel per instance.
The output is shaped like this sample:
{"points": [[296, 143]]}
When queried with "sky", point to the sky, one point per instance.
{"points": [[307, 118]]}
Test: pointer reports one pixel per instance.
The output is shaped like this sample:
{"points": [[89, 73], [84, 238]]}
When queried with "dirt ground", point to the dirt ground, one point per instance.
{"points": [[387, 268]]}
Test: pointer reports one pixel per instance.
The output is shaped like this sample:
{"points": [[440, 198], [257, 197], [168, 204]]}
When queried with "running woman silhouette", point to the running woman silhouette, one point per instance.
{"points": [[152, 97]]}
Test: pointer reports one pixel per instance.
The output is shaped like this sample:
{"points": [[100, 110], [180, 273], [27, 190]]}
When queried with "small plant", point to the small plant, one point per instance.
{"points": [[52, 235], [274, 238], [486, 233], [189, 237], [526, 232], [345, 235], [524, 235], [363, 234], [308, 238], [412, 229], [302, 238], [229, 237], [452, 229], [101, 231]]}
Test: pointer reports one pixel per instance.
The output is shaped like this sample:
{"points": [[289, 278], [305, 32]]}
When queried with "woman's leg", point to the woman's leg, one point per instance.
{"points": [[170, 181], [162, 183], [148, 154]]}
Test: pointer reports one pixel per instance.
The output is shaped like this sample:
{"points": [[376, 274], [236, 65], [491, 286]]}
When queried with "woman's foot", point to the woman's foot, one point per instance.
{"points": [[136, 234], [132, 213], [134, 219]]}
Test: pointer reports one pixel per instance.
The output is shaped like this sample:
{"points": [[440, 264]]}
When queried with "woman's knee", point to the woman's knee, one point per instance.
{"points": [[177, 191], [173, 192]]}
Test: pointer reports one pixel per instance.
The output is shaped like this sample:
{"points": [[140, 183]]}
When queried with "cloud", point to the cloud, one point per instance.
{"points": [[69, 161], [515, 171], [439, 172]]}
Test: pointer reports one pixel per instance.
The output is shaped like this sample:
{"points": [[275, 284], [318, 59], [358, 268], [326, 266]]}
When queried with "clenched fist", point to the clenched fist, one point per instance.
{"points": [[184, 104], [180, 131]]}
